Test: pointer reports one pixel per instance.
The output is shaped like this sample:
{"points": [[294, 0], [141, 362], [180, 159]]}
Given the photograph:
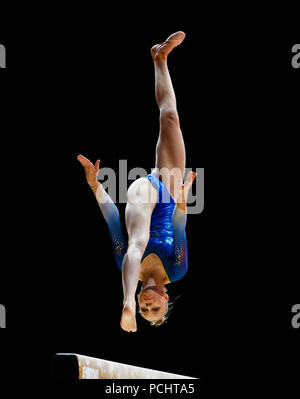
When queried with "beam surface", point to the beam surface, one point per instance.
{"points": [[86, 367]]}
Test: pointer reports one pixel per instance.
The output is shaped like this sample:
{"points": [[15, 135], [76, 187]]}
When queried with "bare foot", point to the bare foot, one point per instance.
{"points": [[128, 321], [161, 51]]}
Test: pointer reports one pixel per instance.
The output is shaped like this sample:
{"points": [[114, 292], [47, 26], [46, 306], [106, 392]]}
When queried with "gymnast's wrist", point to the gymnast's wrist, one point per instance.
{"points": [[94, 186], [182, 206], [98, 191]]}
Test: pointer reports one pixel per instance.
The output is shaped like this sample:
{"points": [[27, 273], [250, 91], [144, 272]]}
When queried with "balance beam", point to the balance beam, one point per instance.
{"points": [[74, 366]]}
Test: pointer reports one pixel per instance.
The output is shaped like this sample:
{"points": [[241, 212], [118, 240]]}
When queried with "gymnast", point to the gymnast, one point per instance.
{"points": [[156, 211]]}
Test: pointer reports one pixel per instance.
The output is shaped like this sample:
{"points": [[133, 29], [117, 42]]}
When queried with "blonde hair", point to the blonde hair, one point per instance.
{"points": [[159, 322], [163, 320], [170, 306]]}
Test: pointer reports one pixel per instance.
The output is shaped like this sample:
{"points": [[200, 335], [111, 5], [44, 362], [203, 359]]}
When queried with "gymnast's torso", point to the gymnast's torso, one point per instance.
{"points": [[167, 240], [161, 241]]}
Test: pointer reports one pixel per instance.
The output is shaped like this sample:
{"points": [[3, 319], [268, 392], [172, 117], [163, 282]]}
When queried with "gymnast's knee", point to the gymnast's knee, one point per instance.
{"points": [[169, 114], [136, 247]]}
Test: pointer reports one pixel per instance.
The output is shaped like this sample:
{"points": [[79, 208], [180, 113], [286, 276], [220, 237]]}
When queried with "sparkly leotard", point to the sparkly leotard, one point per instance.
{"points": [[167, 232]]}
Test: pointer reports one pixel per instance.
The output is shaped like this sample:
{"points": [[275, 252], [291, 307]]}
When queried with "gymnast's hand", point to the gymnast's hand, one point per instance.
{"points": [[184, 191], [91, 171]]}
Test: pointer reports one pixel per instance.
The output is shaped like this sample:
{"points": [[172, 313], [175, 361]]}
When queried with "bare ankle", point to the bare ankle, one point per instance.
{"points": [[129, 302], [160, 59]]}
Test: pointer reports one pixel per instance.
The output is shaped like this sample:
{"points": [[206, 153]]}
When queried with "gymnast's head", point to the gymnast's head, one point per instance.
{"points": [[154, 304]]}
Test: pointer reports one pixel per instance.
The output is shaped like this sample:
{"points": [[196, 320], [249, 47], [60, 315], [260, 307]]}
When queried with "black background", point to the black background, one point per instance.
{"points": [[82, 81]]}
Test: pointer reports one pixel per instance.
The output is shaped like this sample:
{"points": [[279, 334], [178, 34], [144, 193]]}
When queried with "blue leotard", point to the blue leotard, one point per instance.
{"points": [[167, 232]]}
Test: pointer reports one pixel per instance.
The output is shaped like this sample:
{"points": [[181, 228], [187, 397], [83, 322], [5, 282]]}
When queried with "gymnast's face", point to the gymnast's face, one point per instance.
{"points": [[153, 305]]}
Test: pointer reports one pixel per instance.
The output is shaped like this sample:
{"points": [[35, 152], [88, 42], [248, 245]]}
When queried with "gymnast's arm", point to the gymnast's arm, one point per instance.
{"points": [[112, 217], [179, 219], [107, 207]]}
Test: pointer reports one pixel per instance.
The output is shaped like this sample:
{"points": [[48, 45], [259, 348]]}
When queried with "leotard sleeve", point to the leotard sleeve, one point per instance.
{"points": [[180, 261], [112, 217]]}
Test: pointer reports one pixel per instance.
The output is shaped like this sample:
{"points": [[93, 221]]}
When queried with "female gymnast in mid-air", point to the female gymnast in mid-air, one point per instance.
{"points": [[156, 213]]}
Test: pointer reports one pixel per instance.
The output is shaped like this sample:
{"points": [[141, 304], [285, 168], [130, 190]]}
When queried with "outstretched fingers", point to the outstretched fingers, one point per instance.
{"points": [[97, 165], [87, 163], [91, 170], [84, 161], [190, 179], [186, 186]]}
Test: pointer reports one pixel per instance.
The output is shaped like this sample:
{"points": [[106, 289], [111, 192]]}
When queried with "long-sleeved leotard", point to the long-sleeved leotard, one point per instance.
{"points": [[167, 231]]}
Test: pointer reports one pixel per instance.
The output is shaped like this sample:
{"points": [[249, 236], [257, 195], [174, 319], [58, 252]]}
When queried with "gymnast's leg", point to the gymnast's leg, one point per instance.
{"points": [[141, 200], [170, 149]]}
